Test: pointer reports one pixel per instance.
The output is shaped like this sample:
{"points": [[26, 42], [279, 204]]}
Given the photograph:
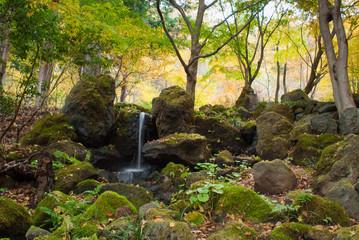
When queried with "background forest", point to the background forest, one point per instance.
{"points": [[272, 46]]}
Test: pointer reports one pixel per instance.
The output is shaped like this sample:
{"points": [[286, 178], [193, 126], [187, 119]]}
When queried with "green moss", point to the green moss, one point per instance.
{"points": [[15, 220], [178, 138], [50, 129], [250, 125], [68, 177], [130, 107], [195, 217], [106, 205], [318, 141], [317, 210], [172, 95], [289, 231], [168, 229], [154, 213], [174, 170], [180, 206], [327, 159], [86, 185], [244, 202], [351, 233], [50, 201], [233, 231]]}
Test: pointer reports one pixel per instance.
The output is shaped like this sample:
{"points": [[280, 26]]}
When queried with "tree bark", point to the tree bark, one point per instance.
{"points": [[4, 54], [43, 86], [284, 80], [337, 63], [123, 93], [278, 82]]}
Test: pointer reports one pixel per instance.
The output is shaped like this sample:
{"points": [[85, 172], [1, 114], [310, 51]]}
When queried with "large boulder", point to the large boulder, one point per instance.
{"points": [[338, 162], [89, 107], [309, 147], [300, 127], [219, 134], [347, 233], [50, 129], [345, 194], [234, 230], [173, 110], [273, 132], [289, 231], [282, 109], [324, 123], [69, 176], [183, 148], [248, 99], [349, 121], [72, 149], [15, 220], [273, 177], [295, 95]]}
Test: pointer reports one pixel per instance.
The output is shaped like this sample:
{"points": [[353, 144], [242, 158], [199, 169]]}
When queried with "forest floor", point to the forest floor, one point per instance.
{"points": [[25, 193]]}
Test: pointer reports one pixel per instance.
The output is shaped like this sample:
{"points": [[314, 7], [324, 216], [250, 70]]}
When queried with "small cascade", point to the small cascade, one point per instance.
{"points": [[137, 170]]}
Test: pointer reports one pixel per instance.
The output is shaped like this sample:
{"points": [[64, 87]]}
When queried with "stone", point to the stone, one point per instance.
{"points": [[138, 196], [107, 158], [328, 107], [50, 129], [35, 232], [182, 148], [247, 99], [309, 147], [323, 123], [144, 208], [68, 177], [273, 132], [347, 233], [300, 127], [295, 95], [248, 132], [72, 149], [15, 220], [86, 185], [349, 121], [338, 162], [224, 158], [289, 231], [282, 109], [344, 194], [89, 107], [174, 111], [273, 177], [234, 230], [220, 135]]}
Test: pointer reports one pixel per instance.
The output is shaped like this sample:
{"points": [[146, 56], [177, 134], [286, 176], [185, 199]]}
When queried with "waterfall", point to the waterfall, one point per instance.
{"points": [[140, 138]]}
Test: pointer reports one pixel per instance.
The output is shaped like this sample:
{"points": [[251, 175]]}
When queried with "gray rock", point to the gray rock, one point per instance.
{"points": [[35, 232], [328, 107], [273, 177], [349, 121], [295, 95], [344, 194], [143, 209], [324, 123]]}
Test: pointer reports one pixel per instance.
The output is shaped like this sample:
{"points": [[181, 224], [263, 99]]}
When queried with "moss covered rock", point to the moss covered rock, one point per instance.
{"points": [[195, 218], [89, 107], [138, 196], [15, 220], [273, 132], [247, 99], [219, 134], [34, 232], [243, 202], [105, 206], [86, 185], [282, 109], [234, 230], [338, 162], [180, 206], [183, 148], [50, 201], [50, 129], [347, 233], [69, 176], [173, 110], [289, 231], [309, 147], [224, 158], [72, 149]]}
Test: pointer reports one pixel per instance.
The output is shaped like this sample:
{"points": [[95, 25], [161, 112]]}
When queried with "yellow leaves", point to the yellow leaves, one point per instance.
{"points": [[172, 224], [158, 220]]}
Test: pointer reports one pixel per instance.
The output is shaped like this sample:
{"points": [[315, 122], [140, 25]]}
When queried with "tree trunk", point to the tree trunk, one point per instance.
{"points": [[284, 81], [192, 80], [123, 93], [278, 80], [43, 86], [338, 64], [312, 81], [4, 55]]}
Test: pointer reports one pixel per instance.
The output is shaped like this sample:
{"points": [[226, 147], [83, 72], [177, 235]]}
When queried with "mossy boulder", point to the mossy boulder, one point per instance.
{"points": [[324, 123], [346, 195], [69, 176], [273, 132], [347, 233], [180, 206], [89, 107], [289, 231], [50, 129], [282, 109], [295, 95], [130, 107], [339, 161], [173, 110], [300, 127], [234, 230], [219, 134], [138, 196], [158, 213], [244, 202], [318, 210], [72, 149], [86, 185], [224, 158], [195, 218], [247, 99], [15, 220], [50, 201], [273, 177], [105, 206], [309, 147], [183, 148], [34, 232]]}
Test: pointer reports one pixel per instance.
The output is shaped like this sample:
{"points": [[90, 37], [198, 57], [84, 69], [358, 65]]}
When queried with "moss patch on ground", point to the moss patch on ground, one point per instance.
{"points": [[289, 231]]}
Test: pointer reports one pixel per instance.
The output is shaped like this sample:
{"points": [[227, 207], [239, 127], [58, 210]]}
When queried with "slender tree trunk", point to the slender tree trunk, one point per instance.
{"points": [[284, 80], [337, 63], [192, 80], [123, 93], [45, 74], [278, 80], [4, 55], [314, 69]]}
